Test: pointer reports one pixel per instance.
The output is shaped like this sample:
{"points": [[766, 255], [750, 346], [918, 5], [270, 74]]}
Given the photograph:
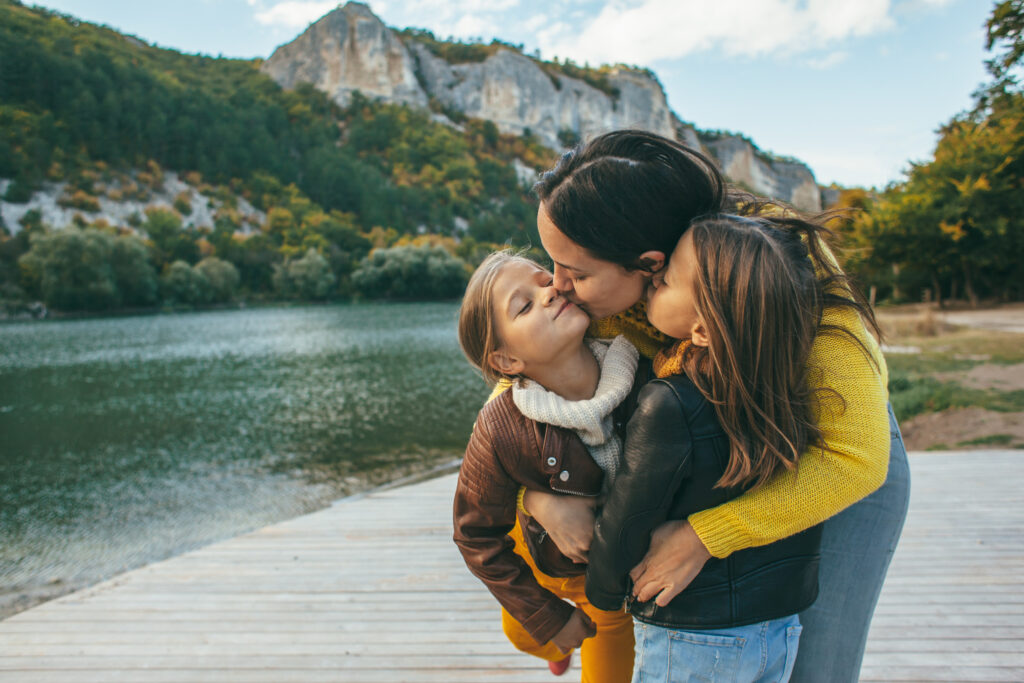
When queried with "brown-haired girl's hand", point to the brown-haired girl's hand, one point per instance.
{"points": [[576, 630], [675, 557], [569, 521]]}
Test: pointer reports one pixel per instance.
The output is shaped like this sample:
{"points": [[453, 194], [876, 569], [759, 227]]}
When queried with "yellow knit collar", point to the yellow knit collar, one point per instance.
{"points": [[634, 325], [671, 361]]}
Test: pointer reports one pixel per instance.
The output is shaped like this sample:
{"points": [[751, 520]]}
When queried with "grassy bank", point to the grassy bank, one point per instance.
{"points": [[957, 380]]}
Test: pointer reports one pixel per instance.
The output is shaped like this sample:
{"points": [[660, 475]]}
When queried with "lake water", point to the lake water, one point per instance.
{"points": [[128, 440]]}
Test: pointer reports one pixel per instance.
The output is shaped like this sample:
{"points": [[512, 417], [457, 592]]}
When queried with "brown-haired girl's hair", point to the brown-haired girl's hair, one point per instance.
{"points": [[478, 329], [760, 290]]}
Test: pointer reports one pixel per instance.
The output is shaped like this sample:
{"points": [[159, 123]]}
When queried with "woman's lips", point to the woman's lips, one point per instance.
{"points": [[566, 305]]}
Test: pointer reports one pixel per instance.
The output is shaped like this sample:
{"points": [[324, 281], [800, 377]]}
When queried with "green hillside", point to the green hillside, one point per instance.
{"points": [[105, 112]]}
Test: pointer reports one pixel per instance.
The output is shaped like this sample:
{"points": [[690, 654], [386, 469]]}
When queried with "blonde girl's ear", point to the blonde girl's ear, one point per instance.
{"points": [[651, 262], [699, 334], [505, 364]]}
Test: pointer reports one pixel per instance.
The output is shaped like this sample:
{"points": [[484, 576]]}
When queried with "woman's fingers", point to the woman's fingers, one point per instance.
{"points": [[675, 557]]}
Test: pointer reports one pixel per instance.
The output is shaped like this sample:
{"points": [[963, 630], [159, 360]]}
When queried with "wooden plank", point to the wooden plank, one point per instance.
{"points": [[372, 589]]}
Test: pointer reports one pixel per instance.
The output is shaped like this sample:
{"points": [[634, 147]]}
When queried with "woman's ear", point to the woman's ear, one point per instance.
{"points": [[501, 361], [699, 334], [651, 262]]}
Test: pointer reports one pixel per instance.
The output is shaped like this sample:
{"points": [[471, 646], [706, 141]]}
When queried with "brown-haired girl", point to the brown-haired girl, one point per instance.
{"points": [[552, 431], [732, 406]]}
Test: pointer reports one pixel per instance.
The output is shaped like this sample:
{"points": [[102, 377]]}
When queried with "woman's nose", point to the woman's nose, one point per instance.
{"points": [[561, 281]]}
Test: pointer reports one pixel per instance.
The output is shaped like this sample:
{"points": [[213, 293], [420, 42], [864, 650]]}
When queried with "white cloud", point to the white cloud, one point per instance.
{"points": [[471, 25], [292, 13], [644, 31], [828, 61]]}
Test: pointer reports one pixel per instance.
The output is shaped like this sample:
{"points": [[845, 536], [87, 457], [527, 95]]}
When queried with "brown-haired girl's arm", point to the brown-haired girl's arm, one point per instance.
{"points": [[826, 481], [656, 461]]}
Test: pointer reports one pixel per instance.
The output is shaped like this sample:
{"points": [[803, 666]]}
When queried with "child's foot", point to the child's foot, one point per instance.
{"points": [[561, 666]]}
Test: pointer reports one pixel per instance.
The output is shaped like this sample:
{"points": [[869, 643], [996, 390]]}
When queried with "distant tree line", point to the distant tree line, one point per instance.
{"points": [[955, 227]]}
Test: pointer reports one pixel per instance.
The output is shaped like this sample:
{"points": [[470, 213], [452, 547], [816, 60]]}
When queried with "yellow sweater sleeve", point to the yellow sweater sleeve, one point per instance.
{"points": [[825, 481]]}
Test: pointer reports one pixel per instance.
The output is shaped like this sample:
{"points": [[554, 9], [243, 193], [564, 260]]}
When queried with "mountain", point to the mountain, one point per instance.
{"points": [[350, 49]]}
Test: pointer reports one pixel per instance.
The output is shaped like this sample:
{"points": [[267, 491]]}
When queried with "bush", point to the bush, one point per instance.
{"points": [[307, 278], [73, 268], [18, 192], [81, 200], [183, 203], [411, 272], [134, 274], [222, 276], [183, 284]]}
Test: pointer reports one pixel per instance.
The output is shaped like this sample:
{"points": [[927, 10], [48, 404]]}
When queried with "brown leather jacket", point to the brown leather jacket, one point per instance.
{"points": [[508, 450]]}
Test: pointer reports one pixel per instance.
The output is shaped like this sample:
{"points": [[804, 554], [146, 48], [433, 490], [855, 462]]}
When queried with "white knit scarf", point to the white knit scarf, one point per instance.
{"points": [[590, 418]]}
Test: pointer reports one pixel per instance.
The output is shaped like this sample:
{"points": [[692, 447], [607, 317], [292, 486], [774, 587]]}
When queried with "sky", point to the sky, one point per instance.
{"points": [[854, 88]]}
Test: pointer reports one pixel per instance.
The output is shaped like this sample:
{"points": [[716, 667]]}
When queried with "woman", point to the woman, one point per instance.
{"points": [[610, 212]]}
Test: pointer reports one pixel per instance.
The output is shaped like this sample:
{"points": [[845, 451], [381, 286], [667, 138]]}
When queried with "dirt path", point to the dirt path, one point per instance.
{"points": [[1006, 318], [964, 428]]}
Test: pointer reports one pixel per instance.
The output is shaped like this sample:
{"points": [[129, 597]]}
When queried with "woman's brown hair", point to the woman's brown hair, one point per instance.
{"points": [[761, 285]]}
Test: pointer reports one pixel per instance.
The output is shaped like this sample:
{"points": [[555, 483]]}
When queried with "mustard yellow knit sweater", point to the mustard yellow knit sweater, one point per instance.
{"points": [[825, 481]]}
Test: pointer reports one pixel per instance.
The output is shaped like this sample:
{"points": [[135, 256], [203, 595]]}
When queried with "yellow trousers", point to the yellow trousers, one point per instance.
{"points": [[605, 658]]}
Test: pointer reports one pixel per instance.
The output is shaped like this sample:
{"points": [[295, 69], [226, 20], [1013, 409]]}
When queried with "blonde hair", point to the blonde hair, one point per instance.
{"points": [[478, 326]]}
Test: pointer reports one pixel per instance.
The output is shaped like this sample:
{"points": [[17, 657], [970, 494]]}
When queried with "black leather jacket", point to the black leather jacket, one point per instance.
{"points": [[675, 451]]}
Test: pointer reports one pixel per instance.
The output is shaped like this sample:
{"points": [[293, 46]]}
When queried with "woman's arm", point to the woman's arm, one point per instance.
{"points": [[656, 460], [825, 481]]}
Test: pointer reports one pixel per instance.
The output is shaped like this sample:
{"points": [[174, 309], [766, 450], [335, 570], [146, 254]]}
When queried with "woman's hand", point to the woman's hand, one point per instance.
{"points": [[676, 556], [569, 521], [576, 630]]}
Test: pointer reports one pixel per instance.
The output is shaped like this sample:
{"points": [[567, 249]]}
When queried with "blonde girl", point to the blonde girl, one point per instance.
{"points": [[553, 431]]}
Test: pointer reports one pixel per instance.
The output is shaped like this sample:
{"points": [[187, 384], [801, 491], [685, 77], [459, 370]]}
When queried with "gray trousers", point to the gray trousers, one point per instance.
{"points": [[856, 547]]}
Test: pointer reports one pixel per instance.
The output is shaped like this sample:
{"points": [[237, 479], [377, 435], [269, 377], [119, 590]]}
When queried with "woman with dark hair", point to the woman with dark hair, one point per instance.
{"points": [[611, 212]]}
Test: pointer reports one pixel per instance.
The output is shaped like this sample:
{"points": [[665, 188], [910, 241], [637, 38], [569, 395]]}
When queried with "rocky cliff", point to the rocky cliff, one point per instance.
{"points": [[350, 49]]}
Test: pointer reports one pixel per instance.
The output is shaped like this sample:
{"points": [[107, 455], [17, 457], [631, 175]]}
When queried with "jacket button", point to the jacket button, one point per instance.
{"points": [[564, 476], [552, 461]]}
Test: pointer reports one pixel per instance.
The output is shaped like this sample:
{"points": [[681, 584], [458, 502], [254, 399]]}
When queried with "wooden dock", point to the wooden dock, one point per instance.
{"points": [[372, 589]]}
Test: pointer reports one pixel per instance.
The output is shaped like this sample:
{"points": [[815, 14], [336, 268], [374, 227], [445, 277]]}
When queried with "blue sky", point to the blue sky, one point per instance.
{"points": [[855, 88]]}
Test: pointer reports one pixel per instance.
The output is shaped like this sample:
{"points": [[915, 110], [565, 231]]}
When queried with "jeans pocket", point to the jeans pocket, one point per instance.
{"points": [[704, 658], [792, 645]]}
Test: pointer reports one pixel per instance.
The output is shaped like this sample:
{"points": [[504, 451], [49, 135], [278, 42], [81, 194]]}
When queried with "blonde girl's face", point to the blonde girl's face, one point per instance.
{"points": [[536, 324], [671, 298]]}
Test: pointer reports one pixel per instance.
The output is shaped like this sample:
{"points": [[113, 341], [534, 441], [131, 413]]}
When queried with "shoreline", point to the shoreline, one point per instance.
{"points": [[18, 599]]}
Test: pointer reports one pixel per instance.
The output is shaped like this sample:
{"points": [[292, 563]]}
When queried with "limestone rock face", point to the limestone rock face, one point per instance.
{"points": [[785, 179], [348, 49], [515, 93], [351, 49]]}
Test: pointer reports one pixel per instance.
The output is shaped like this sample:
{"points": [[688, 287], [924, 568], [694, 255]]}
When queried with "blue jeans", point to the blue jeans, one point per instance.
{"points": [[758, 653], [856, 547]]}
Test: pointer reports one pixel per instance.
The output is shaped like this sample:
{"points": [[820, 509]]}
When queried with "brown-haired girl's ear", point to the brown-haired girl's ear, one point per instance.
{"points": [[650, 262], [505, 364], [699, 334]]}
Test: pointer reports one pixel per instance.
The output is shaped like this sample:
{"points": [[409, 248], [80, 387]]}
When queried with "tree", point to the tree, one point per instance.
{"points": [[308, 278], [222, 276], [134, 273], [183, 284], [73, 268], [411, 272]]}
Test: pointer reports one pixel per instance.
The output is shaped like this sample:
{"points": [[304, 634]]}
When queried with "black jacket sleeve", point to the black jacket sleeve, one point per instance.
{"points": [[656, 462]]}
